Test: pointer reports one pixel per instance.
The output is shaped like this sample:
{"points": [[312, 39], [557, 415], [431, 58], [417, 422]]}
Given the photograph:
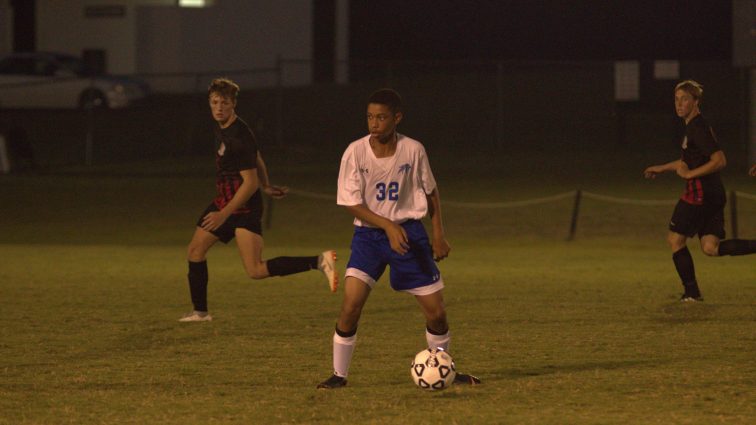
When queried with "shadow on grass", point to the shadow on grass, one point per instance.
{"points": [[552, 369], [685, 312]]}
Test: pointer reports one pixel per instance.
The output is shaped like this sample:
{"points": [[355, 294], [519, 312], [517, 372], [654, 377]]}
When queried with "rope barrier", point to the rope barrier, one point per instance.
{"points": [[577, 195], [511, 204], [627, 201], [745, 195], [529, 202], [313, 195]]}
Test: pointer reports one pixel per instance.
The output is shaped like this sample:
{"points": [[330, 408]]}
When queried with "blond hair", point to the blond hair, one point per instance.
{"points": [[691, 87]]}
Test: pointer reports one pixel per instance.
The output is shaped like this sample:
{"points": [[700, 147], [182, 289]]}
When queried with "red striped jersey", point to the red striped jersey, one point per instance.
{"points": [[698, 144], [235, 150]]}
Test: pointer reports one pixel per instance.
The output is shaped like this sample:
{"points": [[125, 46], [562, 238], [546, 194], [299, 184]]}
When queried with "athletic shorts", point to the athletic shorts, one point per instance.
{"points": [[691, 220], [249, 220], [414, 272]]}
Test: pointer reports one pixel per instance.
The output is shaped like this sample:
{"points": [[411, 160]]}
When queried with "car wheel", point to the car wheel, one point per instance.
{"points": [[92, 99]]}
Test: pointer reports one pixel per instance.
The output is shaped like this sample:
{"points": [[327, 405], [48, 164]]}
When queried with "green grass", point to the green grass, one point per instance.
{"points": [[92, 280]]}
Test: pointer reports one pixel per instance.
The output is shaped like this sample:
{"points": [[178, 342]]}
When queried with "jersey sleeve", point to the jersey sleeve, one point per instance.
{"points": [[349, 190], [424, 172], [705, 139], [245, 151]]}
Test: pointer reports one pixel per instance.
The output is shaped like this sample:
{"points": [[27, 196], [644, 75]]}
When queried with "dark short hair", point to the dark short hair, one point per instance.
{"points": [[388, 97], [223, 87]]}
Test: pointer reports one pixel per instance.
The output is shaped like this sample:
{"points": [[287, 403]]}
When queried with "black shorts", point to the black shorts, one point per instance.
{"points": [[691, 220], [250, 220]]}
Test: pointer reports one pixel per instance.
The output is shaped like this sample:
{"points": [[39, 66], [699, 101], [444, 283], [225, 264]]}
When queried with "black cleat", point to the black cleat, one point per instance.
{"points": [[463, 379], [332, 382]]}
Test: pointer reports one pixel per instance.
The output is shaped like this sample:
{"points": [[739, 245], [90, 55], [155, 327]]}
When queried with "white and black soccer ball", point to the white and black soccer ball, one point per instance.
{"points": [[433, 369]]}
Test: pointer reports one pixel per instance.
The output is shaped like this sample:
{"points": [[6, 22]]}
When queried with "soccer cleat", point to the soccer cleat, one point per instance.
{"points": [[327, 265], [196, 316], [690, 298], [333, 382], [463, 379]]}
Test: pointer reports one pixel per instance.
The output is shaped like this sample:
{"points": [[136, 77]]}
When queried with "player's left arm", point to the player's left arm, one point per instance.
{"points": [[439, 243], [717, 161], [276, 192]]}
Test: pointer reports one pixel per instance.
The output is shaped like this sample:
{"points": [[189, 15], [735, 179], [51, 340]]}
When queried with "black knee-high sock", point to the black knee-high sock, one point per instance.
{"points": [[198, 284], [282, 266], [737, 247], [684, 265]]}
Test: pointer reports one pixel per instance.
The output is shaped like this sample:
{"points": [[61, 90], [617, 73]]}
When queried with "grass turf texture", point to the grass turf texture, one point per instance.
{"points": [[92, 281]]}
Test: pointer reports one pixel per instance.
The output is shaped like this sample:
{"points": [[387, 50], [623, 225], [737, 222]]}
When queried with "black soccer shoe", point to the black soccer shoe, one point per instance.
{"points": [[332, 382], [463, 379]]}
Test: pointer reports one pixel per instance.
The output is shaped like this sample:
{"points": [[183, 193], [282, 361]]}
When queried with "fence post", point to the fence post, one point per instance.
{"points": [[499, 105], [575, 212], [89, 136], [734, 213]]}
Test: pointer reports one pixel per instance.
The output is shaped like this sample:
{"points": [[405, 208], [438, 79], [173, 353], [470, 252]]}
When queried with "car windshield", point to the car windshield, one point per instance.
{"points": [[74, 64]]}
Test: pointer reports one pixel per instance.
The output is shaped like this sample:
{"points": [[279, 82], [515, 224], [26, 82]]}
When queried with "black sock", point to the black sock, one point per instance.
{"points": [[684, 265], [437, 333], [737, 247], [282, 266], [343, 334], [198, 284]]}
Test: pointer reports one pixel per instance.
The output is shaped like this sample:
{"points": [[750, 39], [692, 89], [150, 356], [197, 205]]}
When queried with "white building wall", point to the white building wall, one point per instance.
{"points": [[63, 27], [158, 37], [232, 35]]}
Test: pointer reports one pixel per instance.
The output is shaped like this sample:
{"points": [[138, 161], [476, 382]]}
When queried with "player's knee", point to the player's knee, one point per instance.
{"points": [[710, 249], [195, 252], [675, 243]]}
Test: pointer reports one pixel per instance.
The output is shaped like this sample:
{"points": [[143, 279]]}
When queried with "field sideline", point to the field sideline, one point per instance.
{"points": [[92, 279]]}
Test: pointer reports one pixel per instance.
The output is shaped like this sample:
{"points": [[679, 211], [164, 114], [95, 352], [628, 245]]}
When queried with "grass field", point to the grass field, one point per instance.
{"points": [[92, 280]]}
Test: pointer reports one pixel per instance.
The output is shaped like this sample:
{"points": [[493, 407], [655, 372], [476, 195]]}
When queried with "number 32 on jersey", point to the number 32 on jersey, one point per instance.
{"points": [[390, 191]]}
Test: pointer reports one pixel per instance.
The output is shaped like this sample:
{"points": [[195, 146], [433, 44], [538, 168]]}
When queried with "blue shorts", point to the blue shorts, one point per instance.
{"points": [[371, 253]]}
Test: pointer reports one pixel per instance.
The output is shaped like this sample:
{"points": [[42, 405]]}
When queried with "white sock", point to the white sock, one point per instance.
{"points": [[438, 341], [342, 354]]}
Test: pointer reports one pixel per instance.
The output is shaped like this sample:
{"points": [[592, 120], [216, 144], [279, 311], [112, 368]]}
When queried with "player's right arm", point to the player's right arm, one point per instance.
{"points": [[396, 234], [753, 170], [652, 171]]}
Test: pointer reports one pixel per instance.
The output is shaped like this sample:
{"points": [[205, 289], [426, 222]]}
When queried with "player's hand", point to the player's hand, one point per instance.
{"points": [[275, 192], [753, 170], [213, 220], [397, 237], [652, 172], [441, 248], [683, 170]]}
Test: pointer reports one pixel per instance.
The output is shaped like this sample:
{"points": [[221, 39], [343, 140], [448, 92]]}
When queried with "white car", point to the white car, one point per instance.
{"points": [[55, 80]]}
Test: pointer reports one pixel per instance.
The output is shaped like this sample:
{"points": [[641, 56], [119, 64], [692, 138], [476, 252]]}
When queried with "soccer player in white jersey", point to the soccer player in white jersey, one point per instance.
{"points": [[386, 182]]}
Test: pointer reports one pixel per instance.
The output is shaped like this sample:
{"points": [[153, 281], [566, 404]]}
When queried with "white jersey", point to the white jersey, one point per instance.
{"points": [[394, 187]]}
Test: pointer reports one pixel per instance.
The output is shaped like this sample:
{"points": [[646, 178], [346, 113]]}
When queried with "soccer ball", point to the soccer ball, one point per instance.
{"points": [[433, 369]]}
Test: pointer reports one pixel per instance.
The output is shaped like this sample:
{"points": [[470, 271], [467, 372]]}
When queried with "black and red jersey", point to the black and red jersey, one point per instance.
{"points": [[698, 144], [235, 150]]}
